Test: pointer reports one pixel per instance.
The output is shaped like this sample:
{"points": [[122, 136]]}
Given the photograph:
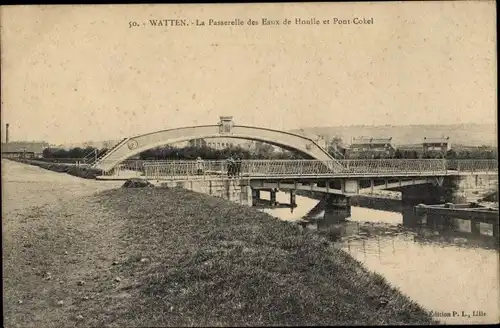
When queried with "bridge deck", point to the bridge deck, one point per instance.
{"points": [[303, 169], [213, 175]]}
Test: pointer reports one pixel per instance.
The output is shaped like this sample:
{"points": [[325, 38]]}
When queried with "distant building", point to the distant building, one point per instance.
{"points": [[197, 143], [222, 143], [410, 147], [367, 147], [23, 149], [436, 144]]}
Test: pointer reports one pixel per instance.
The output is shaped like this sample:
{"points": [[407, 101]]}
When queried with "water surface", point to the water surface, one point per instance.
{"points": [[447, 272]]}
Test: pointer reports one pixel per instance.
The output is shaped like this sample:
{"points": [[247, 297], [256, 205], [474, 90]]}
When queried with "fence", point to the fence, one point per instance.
{"points": [[485, 165], [181, 169], [279, 168]]}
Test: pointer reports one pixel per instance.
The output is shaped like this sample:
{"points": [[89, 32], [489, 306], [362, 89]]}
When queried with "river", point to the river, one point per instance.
{"points": [[444, 271]]}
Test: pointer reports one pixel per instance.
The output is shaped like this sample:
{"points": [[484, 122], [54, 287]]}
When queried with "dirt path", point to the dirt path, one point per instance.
{"points": [[26, 186], [53, 250]]}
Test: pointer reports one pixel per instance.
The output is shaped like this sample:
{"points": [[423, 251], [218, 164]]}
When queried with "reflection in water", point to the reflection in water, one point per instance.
{"points": [[445, 269], [441, 277], [304, 206]]}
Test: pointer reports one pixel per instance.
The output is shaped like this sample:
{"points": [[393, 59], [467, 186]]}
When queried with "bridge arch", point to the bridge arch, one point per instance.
{"points": [[139, 143]]}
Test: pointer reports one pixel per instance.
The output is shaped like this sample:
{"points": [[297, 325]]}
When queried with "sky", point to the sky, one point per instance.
{"points": [[77, 73]]}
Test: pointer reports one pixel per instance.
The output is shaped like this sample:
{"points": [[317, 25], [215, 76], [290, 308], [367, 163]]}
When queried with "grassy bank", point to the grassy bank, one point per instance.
{"points": [[169, 257], [82, 172]]}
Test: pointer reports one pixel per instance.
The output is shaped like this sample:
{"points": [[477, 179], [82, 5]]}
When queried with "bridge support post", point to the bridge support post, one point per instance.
{"points": [[245, 195], [272, 198], [255, 196], [496, 230], [293, 198], [475, 227]]}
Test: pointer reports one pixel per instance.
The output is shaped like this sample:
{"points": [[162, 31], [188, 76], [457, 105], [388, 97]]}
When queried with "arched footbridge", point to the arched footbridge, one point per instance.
{"points": [[129, 147]]}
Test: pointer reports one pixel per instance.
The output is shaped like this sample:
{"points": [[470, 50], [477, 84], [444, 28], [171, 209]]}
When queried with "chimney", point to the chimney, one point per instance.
{"points": [[7, 133]]}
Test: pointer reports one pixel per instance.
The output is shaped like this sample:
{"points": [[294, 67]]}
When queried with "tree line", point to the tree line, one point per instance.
{"points": [[260, 151], [74, 153]]}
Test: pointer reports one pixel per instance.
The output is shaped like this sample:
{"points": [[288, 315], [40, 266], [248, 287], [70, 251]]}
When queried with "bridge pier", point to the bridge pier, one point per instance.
{"points": [[424, 194], [470, 188], [337, 206], [272, 197], [336, 215], [246, 195], [293, 198], [475, 227], [337, 201], [255, 196], [457, 190]]}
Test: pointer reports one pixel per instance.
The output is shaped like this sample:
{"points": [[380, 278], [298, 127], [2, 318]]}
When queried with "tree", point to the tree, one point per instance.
{"points": [[47, 153], [264, 150], [336, 147]]}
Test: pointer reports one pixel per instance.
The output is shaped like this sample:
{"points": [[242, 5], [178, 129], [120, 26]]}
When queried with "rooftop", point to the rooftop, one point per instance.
{"points": [[369, 140], [21, 146], [437, 140]]}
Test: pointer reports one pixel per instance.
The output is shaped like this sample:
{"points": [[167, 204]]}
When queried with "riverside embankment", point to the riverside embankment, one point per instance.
{"points": [[69, 168], [170, 257]]}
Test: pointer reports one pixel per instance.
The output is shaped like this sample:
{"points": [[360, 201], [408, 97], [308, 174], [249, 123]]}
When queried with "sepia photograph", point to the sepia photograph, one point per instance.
{"points": [[250, 164]]}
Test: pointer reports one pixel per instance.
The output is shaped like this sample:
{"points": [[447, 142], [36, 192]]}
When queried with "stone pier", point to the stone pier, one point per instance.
{"points": [[425, 194], [337, 201], [234, 189], [337, 205], [471, 188], [454, 189]]}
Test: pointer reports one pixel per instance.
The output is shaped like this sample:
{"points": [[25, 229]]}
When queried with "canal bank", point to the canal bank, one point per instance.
{"points": [[170, 257], [443, 269]]}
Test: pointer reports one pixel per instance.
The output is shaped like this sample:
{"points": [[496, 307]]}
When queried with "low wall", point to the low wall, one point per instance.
{"points": [[234, 190], [81, 172]]}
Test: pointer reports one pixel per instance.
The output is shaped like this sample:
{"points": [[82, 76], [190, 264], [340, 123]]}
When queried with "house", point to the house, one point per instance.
{"points": [[197, 143], [220, 143], [436, 144], [368, 147], [23, 149]]}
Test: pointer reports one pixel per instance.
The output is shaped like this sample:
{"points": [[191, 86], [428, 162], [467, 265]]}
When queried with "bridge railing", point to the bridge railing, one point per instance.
{"points": [[473, 165], [279, 168], [395, 166]]}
